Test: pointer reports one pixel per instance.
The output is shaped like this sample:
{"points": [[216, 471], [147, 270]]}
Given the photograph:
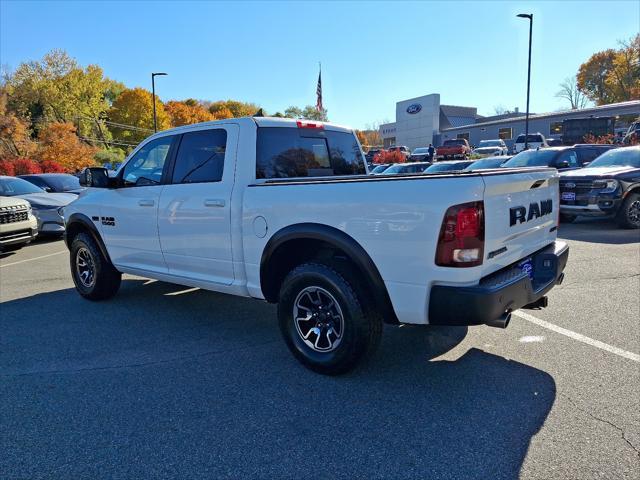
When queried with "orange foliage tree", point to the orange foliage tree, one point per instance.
{"points": [[60, 144], [186, 113]]}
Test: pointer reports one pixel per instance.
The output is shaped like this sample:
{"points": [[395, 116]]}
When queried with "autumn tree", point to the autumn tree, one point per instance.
{"points": [[612, 75], [187, 112], [222, 108], [135, 107], [569, 91], [60, 144], [57, 89], [15, 135]]}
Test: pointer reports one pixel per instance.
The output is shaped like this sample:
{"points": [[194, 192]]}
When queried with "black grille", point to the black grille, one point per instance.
{"points": [[13, 216], [578, 187]]}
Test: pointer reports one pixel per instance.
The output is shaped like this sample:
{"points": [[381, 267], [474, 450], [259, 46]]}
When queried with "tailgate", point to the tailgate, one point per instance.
{"points": [[521, 215]]}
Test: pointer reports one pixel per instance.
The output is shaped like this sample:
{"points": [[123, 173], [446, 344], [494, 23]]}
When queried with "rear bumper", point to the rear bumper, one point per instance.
{"points": [[499, 293]]}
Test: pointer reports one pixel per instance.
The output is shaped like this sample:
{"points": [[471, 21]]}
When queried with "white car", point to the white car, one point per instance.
{"points": [[534, 141], [491, 148], [18, 226], [282, 210]]}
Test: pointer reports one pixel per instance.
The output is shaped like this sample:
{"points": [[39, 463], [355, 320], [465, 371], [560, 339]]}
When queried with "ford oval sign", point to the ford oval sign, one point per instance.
{"points": [[413, 109]]}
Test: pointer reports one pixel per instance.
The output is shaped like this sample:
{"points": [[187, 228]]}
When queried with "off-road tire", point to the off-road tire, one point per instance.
{"points": [[105, 280], [362, 325], [628, 215]]}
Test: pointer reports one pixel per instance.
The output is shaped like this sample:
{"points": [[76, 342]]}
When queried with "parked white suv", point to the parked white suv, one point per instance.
{"points": [[283, 210], [534, 140], [18, 226], [491, 148]]}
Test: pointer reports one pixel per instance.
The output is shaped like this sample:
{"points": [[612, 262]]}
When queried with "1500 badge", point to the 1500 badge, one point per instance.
{"points": [[522, 214], [108, 221]]}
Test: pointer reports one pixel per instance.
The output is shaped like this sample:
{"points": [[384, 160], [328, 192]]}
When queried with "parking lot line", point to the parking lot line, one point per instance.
{"points": [[32, 259], [579, 337]]}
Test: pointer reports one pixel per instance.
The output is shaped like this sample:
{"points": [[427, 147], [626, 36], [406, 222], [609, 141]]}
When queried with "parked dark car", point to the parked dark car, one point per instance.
{"points": [[448, 166], [372, 153], [561, 158], [420, 154], [415, 167], [55, 182], [608, 187], [554, 142], [488, 162]]}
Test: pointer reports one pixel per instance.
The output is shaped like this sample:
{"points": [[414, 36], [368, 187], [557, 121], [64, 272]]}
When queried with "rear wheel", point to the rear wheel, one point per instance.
{"points": [[326, 320], [93, 274], [629, 213]]}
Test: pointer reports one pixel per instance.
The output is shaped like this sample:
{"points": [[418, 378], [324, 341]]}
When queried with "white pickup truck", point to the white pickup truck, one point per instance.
{"points": [[283, 210]]}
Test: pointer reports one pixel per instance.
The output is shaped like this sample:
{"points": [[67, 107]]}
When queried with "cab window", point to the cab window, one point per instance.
{"points": [[146, 166], [200, 156]]}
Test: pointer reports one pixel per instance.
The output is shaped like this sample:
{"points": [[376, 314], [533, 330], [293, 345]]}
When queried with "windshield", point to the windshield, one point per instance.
{"points": [[532, 158], [485, 163], [420, 150], [63, 182], [447, 167], [489, 143], [619, 157], [16, 186], [380, 169]]}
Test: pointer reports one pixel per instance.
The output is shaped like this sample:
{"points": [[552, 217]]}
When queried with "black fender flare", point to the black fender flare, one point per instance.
{"points": [[340, 240], [85, 223]]}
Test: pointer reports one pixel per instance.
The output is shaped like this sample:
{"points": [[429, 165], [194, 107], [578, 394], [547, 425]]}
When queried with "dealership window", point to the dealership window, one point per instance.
{"points": [[464, 135], [555, 128], [505, 133]]}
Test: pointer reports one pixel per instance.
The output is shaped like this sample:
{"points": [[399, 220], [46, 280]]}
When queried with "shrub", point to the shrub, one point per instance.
{"points": [[26, 166], [7, 168], [49, 166], [389, 157]]}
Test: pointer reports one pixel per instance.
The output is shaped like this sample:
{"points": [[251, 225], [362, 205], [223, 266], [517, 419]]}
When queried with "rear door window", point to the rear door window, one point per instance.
{"points": [[292, 152], [200, 157]]}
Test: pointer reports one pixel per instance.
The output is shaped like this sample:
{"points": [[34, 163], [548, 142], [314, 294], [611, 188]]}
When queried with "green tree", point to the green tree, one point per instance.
{"points": [[237, 109], [308, 113], [134, 107]]}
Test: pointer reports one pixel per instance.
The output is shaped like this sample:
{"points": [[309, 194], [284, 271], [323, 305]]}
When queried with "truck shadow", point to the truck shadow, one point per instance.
{"points": [[597, 230], [164, 381]]}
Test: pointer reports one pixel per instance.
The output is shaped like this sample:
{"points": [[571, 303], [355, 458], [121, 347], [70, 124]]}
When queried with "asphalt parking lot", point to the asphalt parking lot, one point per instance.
{"points": [[169, 382]]}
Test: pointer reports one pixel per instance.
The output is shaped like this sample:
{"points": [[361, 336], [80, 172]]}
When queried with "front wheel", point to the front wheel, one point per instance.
{"points": [[93, 274], [325, 318], [629, 213]]}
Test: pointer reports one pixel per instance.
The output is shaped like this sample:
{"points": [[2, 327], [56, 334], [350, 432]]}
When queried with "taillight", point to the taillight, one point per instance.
{"points": [[461, 241], [310, 125]]}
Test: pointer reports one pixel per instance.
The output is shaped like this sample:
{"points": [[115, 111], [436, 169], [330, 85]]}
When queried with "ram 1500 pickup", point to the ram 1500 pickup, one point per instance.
{"points": [[283, 210]]}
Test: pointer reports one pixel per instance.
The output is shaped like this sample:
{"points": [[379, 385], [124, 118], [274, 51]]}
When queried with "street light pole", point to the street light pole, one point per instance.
{"points": [[153, 93], [526, 121]]}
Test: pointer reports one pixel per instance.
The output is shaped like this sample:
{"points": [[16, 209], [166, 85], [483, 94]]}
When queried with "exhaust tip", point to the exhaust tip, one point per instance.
{"points": [[501, 322]]}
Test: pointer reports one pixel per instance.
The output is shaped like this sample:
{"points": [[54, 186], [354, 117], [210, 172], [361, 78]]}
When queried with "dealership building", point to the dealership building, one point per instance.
{"points": [[424, 120]]}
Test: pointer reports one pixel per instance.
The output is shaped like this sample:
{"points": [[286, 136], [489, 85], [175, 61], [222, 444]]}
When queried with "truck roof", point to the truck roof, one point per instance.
{"points": [[260, 121]]}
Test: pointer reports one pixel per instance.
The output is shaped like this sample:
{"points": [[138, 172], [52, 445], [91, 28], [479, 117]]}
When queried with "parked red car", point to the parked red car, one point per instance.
{"points": [[454, 148]]}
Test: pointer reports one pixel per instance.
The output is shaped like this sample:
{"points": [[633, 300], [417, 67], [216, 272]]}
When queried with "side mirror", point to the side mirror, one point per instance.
{"points": [[563, 164], [96, 177]]}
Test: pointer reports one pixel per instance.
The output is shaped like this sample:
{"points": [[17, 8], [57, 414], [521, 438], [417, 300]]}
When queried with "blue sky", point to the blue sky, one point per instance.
{"points": [[373, 53]]}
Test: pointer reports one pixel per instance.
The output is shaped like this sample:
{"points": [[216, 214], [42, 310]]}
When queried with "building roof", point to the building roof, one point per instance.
{"points": [[586, 111]]}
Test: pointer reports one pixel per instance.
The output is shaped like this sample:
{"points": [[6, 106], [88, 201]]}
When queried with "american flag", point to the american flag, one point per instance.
{"points": [[319, 92]]}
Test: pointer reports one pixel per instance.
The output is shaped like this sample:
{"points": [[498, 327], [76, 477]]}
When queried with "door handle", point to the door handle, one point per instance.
{"points": [[214, 203], [146, 203]]}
